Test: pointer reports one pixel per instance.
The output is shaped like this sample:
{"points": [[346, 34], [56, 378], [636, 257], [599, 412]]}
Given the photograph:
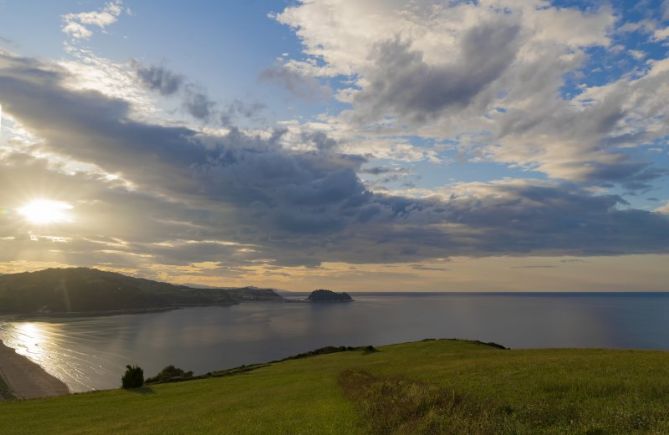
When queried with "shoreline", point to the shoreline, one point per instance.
{"points": [[19, 317], [25, 379]]}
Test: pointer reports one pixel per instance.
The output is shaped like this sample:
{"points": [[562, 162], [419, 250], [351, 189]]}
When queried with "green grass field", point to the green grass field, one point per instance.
{"points": [[440, 386]]}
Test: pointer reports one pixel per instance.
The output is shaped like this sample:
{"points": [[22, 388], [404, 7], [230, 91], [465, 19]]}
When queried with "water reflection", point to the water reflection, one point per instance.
{"points": [[29, 340], [50, 345], [91, 353]]}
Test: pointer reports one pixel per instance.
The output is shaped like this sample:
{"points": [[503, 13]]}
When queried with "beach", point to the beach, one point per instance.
{"points": [[25, 379]]}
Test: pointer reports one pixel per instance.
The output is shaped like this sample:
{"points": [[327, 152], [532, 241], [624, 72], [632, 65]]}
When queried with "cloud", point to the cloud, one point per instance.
{"points": [[31, 89], [661, 34], [194, 99], [198, 104], [78, 25], [403, 84], [339, 35], [297, 83], [244, 199], [603, 122], [240, 109], [157, 78], [490, 77]]}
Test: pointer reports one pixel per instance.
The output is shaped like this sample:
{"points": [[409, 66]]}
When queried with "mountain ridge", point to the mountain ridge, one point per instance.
{"points": [[89, 291]]}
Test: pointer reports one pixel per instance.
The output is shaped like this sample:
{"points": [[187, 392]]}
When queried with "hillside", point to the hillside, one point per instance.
{"points": [[83, 290], [441, 386]]}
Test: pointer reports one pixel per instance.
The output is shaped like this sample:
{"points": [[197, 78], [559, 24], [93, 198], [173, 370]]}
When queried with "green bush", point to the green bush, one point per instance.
{"points": [[133, 377], [170, 374]]}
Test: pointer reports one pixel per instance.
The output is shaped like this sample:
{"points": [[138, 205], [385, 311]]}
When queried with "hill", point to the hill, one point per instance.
{"points": [[443, 386], [91, 291]]}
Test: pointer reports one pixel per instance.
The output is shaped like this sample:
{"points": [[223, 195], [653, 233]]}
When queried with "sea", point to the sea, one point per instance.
{"points": [[90, 353]]}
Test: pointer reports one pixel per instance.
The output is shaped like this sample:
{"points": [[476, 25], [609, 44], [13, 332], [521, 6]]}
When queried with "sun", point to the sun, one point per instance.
{"points": [[46, 211]]}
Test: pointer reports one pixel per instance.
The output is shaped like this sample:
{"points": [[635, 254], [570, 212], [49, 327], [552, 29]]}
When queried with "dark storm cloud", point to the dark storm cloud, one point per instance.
{"points": [[158, 78], [240, 198]]}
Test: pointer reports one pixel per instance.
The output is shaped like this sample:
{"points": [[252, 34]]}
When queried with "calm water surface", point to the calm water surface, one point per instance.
{"points": [[91, 353]]}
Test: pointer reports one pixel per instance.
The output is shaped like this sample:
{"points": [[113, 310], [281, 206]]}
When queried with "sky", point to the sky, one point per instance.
{"points": [[370, 145]]}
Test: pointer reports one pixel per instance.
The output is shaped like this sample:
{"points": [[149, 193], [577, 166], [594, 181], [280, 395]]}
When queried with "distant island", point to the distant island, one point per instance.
{"points": [[323, 295], [85, 291]]}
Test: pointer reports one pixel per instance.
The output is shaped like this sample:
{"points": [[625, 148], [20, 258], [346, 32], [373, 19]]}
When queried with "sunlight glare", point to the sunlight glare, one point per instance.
{"points": [[46, 211]]}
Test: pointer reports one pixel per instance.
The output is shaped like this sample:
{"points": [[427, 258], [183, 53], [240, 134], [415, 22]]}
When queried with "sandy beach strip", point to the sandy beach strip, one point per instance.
{"points": [[25, 379]]}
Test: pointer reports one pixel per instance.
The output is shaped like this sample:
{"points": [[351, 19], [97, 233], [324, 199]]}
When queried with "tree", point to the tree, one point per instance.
{"points": [[133, 377]]}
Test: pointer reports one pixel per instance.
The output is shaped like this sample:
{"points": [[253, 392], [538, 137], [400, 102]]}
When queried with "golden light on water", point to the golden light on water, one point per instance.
{"points": [[84, 353], [46, 212], [30, 341], [39, 342]]}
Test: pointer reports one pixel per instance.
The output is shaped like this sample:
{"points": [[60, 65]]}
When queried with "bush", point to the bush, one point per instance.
{"points": [[133, 377], [170, 374]]}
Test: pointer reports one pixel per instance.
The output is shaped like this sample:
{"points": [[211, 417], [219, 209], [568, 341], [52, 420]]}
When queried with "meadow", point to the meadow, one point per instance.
{"points": [[432, 386]]}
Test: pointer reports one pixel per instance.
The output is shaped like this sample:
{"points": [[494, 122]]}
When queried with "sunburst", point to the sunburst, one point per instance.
{"points": [[46, 212]]}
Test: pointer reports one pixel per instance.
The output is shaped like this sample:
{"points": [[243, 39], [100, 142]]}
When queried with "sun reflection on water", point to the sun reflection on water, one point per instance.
{"points": [[34, 340], [31, 336], [72, 351]]}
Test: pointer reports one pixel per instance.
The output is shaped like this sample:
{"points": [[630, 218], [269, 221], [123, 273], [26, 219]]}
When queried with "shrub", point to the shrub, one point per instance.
{"points": [[133, 377], [170, 374]]}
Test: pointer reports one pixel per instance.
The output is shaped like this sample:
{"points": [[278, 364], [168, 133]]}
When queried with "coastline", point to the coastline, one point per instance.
{"points": [[80, 314], [24, 379], [77, 314]]}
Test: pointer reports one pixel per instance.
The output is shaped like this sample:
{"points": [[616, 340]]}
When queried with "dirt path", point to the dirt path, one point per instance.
{"points": [[25, 379]]}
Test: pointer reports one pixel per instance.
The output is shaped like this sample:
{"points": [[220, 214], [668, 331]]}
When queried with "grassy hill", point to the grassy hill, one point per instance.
{"points": [[425, 387], [84, 290]]}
